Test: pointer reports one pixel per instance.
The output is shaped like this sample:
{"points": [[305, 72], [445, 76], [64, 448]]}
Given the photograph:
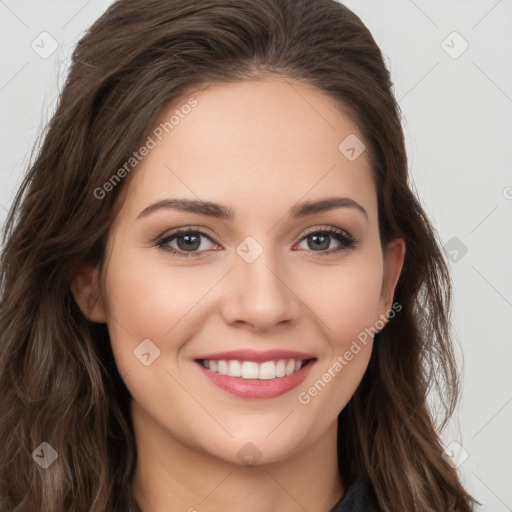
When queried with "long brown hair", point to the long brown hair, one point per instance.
{"points": [[58, 380]]}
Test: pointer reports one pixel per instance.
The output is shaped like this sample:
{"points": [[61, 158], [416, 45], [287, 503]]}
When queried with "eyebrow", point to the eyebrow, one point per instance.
{"points": [[222, 212]]}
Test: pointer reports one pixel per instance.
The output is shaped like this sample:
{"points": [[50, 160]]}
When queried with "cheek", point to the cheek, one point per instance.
{"points": [[345, 297], [142, 300], [347, 304], [148, 299]]}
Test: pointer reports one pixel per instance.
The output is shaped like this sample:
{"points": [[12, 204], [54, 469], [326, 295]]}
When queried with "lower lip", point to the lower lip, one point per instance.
{"points": [[257, 388]]}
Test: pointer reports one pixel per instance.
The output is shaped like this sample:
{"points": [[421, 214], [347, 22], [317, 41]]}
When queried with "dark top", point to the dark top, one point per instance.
{"points": [[358, 497]]}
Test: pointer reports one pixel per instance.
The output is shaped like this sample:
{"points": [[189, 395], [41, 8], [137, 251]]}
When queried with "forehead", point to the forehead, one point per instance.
{"points": [[250, 145]]}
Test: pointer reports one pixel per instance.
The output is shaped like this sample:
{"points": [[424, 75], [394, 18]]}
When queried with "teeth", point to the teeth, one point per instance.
{"points": [[249, 370], [253, 370], [234, 369]]}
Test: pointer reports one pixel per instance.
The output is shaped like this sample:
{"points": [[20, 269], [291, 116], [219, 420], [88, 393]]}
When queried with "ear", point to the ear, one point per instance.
{"points": [[86, 289], [394, 254]]}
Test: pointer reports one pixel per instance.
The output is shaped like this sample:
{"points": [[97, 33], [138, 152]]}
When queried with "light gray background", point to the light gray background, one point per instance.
{"points": [[457, 117]]}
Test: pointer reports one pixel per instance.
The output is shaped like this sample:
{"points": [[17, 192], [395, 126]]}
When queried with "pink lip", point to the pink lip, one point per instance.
{"points": [[256, 355], [256, 388]]}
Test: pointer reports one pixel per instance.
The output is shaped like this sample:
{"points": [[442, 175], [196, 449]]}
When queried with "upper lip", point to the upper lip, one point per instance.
{"points": [[256, 355]]}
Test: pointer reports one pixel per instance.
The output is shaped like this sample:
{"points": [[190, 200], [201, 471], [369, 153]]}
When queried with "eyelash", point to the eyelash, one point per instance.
{"points": [[344, 238]]}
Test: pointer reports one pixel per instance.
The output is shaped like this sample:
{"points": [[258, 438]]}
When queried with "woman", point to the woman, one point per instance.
{"points": [[218, 290]]}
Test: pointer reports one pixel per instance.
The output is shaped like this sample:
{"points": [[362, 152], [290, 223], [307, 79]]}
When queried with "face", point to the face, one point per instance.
{"points": [[276, 280]]}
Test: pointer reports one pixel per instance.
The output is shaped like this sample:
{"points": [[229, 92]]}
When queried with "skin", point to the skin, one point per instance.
{"points": [[258, 147]]}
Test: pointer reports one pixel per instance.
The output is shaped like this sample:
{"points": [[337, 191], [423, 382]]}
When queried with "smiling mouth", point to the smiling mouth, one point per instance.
{"points": [[252, 370]]}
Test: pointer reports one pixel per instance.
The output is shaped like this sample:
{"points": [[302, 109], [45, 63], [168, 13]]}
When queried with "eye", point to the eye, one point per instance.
{"points": [[320, 240], [187, 242]]}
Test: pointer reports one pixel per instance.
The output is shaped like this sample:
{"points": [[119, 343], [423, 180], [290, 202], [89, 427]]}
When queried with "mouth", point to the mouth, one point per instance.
{"points": [[255, 380], [266, 370]]}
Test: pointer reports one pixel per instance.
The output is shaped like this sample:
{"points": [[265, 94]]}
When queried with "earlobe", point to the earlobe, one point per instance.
{"points": [[87, 293], [394, 255]]}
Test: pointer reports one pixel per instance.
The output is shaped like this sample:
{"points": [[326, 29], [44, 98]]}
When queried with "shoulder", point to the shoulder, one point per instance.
{"points": [[359, 496]]}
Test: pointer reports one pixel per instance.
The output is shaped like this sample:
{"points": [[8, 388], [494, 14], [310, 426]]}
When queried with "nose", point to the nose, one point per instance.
{"points": [[260, 295]]}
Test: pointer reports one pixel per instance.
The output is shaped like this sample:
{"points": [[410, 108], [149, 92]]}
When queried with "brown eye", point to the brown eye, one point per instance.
{"points": [[186, 242], [320, 241]]}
